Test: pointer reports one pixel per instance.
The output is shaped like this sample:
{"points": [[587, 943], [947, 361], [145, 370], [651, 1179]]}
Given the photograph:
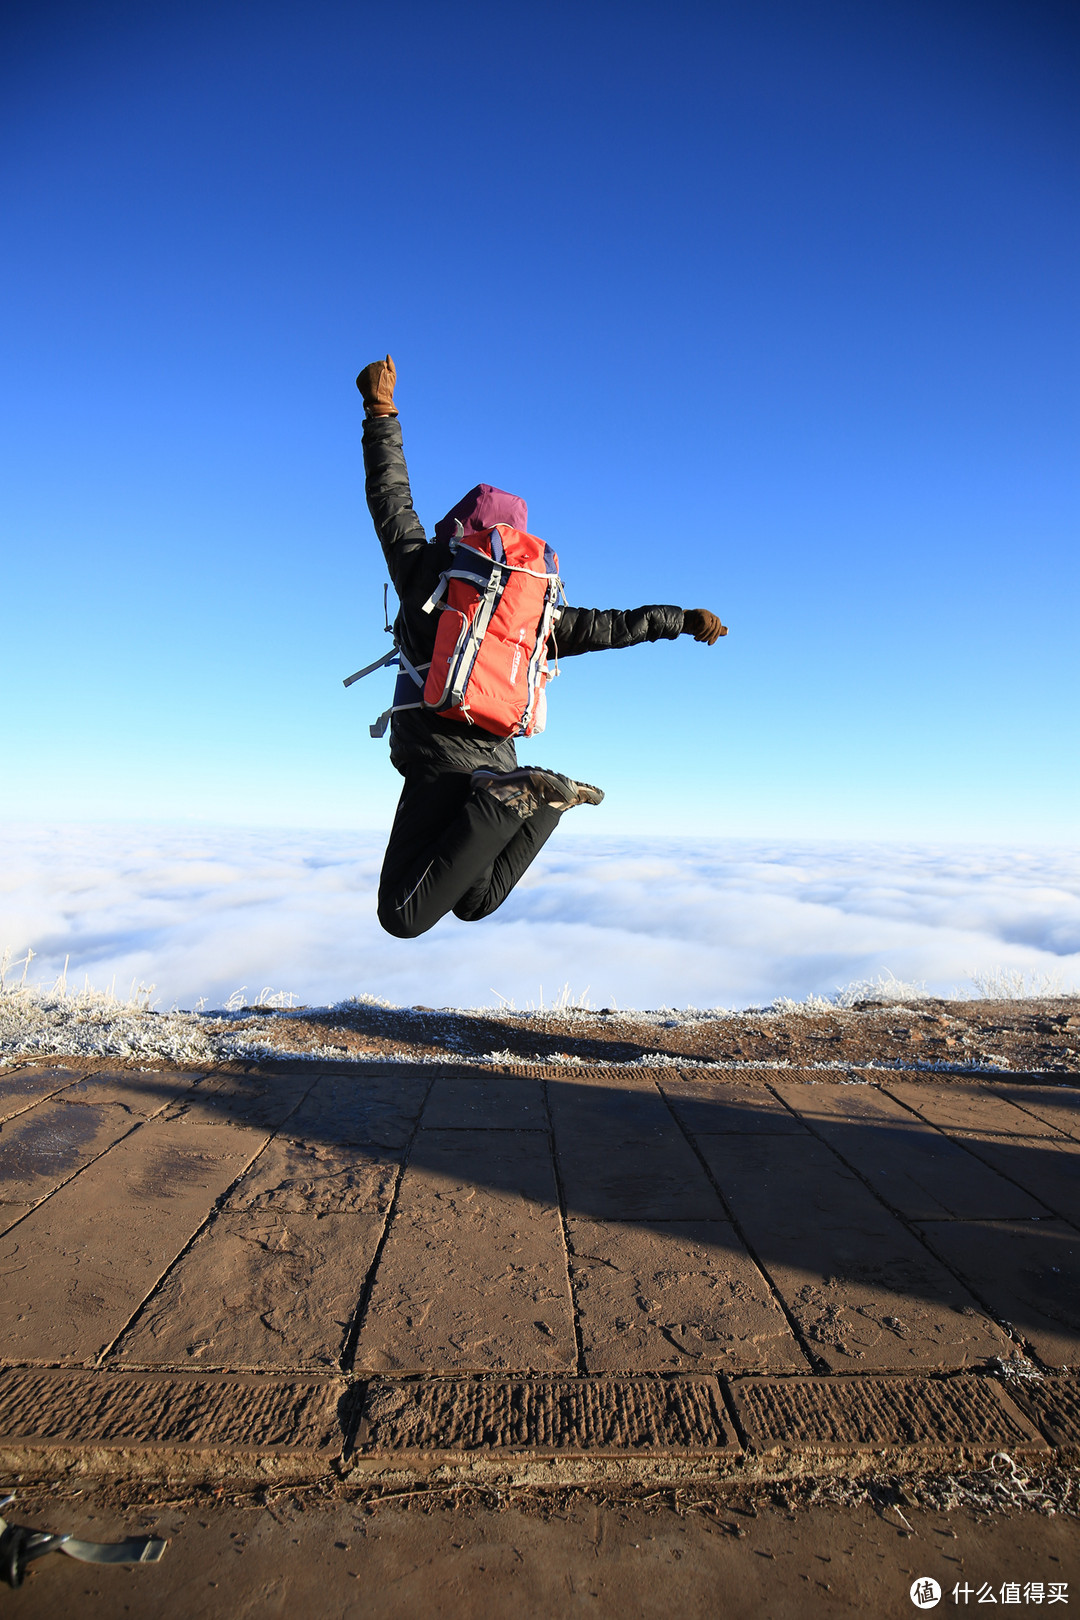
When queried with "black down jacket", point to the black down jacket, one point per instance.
{"points": [[419, 737]]}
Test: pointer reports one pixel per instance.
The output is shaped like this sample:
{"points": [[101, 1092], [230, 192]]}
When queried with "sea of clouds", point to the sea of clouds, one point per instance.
{"points": [[202, 913]]}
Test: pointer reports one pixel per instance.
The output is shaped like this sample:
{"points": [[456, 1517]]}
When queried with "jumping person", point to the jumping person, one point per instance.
{"points": [[469, 821]]}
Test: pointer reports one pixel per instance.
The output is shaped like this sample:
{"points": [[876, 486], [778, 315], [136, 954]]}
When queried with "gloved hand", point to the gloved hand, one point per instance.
{"points": [[376, 384], [702, 625]]}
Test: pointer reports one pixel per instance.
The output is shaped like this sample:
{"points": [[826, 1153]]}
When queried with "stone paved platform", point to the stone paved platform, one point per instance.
{"points": [[553, 1274]]}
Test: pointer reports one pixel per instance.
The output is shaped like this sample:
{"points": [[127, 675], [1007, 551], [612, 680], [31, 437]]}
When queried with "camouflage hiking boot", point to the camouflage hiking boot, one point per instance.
{"points": [[512, 788], [563, 793], [525, 790]]}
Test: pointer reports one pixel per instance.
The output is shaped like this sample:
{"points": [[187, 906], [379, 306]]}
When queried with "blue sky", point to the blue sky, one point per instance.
{"points": [[768, 308]]}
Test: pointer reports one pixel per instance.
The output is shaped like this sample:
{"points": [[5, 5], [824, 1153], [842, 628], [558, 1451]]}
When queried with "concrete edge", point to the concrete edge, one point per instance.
{"points": [[328, 1451]]}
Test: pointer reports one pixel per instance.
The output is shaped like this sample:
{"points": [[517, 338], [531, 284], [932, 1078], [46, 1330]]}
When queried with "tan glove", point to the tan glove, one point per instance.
{"points": [[703, 625], [376, 384]]}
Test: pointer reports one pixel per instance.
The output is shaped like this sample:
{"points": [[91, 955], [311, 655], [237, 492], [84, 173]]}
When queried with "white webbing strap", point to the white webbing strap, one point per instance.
{"points": [[390, 658], [436, 596], [416, 671], [415, 674]]}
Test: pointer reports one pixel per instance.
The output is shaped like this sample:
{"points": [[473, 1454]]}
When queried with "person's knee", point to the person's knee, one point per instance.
{"points": [[478, 904], [394, 921]]}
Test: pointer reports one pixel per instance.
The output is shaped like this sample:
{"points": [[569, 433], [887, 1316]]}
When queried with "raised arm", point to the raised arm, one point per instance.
{"points": [[582, 630], [389, 498]]}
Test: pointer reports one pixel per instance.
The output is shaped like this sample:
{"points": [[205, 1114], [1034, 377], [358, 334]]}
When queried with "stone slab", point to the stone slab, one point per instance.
{"points": [[615, 1415], [143, 1094], [721, 1107], [317, 1178], [1050, 1162], [380, 1109], [1031, 1150], [1057, 1106], [260, 1289], [24, 1087], [78, 1267], [1054, 1404], [1026, 1273], [675, 1296], [867, 1295], [44, 1147], [47, 1144], [880, 1414], [622, 1156], [259, 1102], [502, 1102], [963, 1109], [473, 1274], [101, 1409], [913, 1167]]}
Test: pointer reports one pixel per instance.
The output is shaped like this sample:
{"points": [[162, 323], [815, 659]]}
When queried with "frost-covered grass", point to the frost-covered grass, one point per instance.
{"points": [[885, 987], [88, 1023], [992, 984], [59, 1021], [564, 1000], [1000, 984]]}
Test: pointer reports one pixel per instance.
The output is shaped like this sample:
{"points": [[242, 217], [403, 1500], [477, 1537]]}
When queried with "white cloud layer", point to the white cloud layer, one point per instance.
{"points": [[203, 912]]}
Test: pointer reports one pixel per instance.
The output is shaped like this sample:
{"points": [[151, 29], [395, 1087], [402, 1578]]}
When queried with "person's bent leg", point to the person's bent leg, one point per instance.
{"points": [[493, 886], [444, 840]]}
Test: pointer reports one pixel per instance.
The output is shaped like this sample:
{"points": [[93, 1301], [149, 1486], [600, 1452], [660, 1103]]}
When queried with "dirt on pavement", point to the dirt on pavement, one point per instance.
{"points": [[462, 1556]]}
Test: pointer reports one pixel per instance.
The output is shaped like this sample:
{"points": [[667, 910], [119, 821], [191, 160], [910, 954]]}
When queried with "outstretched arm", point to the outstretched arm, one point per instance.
{"points": [[582, 630], [389, 498]]}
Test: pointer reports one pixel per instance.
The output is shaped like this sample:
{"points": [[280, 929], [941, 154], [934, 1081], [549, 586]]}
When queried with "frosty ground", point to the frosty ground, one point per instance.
{"points": [[877, 1023]]}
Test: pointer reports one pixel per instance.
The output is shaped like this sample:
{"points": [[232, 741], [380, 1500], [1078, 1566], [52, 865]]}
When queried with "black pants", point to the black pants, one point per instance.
{"points": [[453, 850]]}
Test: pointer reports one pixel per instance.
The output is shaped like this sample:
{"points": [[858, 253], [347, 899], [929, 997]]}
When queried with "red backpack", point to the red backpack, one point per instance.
{"points": [[489, 667]]}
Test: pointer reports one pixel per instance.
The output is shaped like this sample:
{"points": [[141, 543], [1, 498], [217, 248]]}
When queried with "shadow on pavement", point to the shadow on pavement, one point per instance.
{"points": [[766, 1168]]}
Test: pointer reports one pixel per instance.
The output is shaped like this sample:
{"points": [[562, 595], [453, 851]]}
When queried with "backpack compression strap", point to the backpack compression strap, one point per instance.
{"points": [[412, 675]]}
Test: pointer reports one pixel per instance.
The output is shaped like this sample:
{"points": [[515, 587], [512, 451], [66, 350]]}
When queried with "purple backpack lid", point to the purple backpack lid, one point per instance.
{"points": [[482, 508]]}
